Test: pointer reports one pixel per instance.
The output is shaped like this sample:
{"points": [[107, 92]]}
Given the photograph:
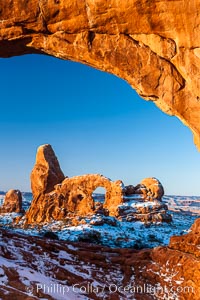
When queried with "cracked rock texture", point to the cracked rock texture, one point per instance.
{"points": [[153, 45]]}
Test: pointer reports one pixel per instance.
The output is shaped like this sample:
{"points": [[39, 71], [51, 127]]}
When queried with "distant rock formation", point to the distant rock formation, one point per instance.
{"points": [[74, 197], [129, 190], [148, 206], [12, 202], [46, 172], [79, 191], [58, 198], [150, 188], [153, 189]]}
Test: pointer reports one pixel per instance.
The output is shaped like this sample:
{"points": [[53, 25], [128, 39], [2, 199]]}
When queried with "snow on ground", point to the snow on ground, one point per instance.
{"points": [[55, 269], [114, 233], [187, 204], [125, 234], [39, 277], [41, 271]]}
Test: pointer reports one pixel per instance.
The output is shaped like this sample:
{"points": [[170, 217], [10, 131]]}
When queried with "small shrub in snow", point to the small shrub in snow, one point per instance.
{"points": [[93, 237], [50, 235]]}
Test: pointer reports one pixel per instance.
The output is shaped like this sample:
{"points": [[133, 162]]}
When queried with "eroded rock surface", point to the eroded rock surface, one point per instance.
{"points": [[74, 197], [189, 243], [58, 198], [155, 46], [146, 202], [149, 213], [12, 202], [152, 189], [46, 172]]}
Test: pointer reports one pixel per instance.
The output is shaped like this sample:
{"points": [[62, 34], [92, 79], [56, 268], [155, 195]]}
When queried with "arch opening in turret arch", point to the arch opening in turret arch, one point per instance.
{"points": [[98, 194]]}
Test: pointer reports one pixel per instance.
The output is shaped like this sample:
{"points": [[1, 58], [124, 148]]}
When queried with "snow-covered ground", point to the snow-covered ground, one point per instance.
{"points": [[35, 268], [114, 233], [188, 204]]}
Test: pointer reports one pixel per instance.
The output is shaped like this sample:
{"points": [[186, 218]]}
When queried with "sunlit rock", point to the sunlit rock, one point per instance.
{"points": [[74, 197], [152, 189], [12, 202], [46, 172]]}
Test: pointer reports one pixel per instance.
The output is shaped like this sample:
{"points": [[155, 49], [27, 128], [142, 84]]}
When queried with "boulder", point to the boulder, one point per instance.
{"points": [[46, 172], [12, 202], [129, 190], [152, 189]]}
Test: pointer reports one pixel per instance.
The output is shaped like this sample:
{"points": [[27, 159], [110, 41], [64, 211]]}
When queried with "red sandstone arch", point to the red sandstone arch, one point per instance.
{"points": [[74, 196], [84, 186], [56, 197], [153, 45]]}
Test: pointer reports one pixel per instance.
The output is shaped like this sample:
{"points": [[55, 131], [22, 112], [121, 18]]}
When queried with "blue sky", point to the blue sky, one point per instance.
{"points": [[95, 122]]}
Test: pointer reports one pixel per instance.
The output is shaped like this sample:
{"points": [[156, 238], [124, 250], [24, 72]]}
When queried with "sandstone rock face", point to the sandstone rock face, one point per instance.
{"points": [[180, 262], [80, 189], [155, 46], [152, 189], [148, 206], [12, 202], [46, 172], [74, 197], [188, 243], [56, 198]]}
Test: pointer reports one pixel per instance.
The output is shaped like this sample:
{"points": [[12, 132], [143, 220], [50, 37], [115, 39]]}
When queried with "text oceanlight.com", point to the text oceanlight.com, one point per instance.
{"points": [[111, 289]]}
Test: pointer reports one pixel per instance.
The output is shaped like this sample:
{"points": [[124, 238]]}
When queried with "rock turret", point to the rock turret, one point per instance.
{"points": [[46, 172]]}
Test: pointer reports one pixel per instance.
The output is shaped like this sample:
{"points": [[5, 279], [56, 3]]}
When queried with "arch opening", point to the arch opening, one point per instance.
{"points": [[99, 193], [99, 196]]}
